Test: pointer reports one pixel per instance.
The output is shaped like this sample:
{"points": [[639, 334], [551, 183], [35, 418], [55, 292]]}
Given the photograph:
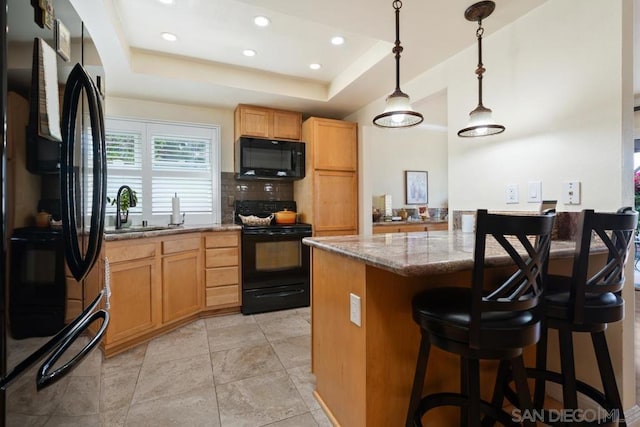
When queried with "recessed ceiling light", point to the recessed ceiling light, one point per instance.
{"points": [[337, 40], [261, 21], [315, 66], [166, 1], [249, 52], [170, 37]]}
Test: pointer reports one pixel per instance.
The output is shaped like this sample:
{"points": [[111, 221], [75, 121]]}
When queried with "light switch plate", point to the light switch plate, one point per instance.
{"points": [[355, 309], [571, 193], [534, 191], [511, 193]]}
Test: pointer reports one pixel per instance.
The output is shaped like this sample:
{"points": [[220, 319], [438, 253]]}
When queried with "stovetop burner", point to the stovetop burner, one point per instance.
{"points": [[264, 208]]}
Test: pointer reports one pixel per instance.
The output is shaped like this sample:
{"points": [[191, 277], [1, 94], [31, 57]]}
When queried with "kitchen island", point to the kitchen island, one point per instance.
{"points": [[364, 372]]}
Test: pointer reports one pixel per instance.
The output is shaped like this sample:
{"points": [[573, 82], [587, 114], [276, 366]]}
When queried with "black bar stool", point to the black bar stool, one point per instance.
{"points": [[586, 301], [485, 321]]}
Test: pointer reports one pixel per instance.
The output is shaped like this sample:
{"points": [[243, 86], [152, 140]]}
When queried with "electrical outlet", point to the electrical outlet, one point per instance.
{"points": [[534, 191], [571, 193], [355, 309], [511, 193]]}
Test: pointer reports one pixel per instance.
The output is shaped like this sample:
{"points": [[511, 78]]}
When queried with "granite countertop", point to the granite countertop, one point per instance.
{"points": [[420, 253], [139, 233]]}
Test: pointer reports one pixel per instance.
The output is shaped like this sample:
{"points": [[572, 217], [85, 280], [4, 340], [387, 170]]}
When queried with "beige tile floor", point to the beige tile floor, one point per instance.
{"points": [[227, 371], [222, 371]]}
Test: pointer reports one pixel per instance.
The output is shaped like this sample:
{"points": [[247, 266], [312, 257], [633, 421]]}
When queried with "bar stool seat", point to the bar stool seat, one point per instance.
{"points": [[445, 313], [496, 321], [598, 308]]}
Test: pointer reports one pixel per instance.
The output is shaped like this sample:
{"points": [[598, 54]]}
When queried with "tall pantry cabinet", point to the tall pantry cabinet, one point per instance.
{"points": [[327, 197]]}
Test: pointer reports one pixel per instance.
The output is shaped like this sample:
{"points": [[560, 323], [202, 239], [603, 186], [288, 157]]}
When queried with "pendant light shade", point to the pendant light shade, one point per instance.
{"points": [[398, 111], [481, 122]]}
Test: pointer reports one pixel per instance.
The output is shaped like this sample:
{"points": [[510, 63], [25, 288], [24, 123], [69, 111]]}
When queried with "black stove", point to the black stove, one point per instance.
{"points": [[275, 262], [264, 208]]}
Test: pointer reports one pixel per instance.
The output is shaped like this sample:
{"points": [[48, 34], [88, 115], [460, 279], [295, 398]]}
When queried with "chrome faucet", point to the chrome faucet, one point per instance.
{"points": [[132, 203]]}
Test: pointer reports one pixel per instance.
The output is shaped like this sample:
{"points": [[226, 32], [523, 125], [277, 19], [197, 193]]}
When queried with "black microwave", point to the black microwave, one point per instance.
{"points": [[269, 159]]}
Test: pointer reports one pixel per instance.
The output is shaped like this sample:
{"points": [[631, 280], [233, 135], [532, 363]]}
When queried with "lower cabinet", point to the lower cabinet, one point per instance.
{"points": [[181, 278], [159, 283], [135, 299], [136, 289], [406, 228], [222, 273]]}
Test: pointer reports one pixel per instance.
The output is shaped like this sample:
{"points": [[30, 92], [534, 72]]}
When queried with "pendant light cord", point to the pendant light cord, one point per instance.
{"points": [[480, 70], [397, 49]]}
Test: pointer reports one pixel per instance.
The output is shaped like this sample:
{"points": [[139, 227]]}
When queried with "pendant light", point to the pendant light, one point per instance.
{"points": [[398, 112], [480, 121]]}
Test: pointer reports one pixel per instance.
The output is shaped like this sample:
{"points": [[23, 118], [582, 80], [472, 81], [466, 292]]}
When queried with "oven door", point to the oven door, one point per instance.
{"points": [[275, 270]]}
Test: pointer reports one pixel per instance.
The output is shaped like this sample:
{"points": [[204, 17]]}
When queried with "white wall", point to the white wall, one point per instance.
{"points": [[560, 80], [559, 92], [392, 151], [142, 109]]}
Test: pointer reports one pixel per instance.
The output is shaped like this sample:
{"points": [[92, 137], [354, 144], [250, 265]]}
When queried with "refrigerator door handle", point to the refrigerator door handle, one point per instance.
{"points": [[68, 333], [45, 376], [80, 265]]}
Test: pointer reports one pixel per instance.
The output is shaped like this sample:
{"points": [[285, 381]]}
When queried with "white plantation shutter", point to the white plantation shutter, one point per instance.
{"points": [[181, 166], [124, 164], [159, 160]]}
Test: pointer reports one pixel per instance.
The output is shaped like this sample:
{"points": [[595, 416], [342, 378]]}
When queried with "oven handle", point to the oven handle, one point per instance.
{"points": [[276, 233], [280, 294]]}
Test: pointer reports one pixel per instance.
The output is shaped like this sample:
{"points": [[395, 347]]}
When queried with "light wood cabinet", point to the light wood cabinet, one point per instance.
{"points": [[182, 290], [136, 292], [335, 144], [222, 269], [406, 228], [160, 283], [328, 195], [262, 122]]}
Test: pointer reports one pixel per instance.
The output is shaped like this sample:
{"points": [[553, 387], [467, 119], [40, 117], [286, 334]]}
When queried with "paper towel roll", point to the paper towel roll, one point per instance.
{"points": [[175, 209], [468, 222]]}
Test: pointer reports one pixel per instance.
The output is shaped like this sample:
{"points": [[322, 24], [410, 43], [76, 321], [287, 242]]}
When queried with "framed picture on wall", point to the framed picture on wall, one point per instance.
{"points": [[416, 187]]}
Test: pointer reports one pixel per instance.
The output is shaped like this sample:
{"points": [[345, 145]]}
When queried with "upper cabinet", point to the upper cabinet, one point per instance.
{"points": [[261, 122], [336, 144], [327, 197]]}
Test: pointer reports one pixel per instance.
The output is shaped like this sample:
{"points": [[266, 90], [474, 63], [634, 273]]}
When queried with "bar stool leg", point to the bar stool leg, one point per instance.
{"points": [[607, 376], [569, 389], [498, 390], [541, 364], [418, 378], [464, 389], [524, 398], [473, 393]]}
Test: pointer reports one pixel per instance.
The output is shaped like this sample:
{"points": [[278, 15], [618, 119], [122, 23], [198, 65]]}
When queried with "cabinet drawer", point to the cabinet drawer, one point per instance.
{"points": [[129, 253], [223, 295], [221, 257], [221, 240], [221, 276], [181, 245]]}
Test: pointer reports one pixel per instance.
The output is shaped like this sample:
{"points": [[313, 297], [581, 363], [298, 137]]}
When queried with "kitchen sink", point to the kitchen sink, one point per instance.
{"points": [[136, 229]]}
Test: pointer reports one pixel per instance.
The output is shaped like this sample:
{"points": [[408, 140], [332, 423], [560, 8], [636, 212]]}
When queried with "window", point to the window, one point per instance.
{"points": [[159, 160]]}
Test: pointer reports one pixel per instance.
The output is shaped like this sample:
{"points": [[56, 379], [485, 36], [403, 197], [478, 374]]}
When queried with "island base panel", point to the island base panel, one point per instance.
{"points": [[364, 374]]}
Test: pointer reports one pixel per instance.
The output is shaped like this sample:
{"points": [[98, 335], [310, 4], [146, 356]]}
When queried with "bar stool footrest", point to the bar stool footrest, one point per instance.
{"points": [[555, 377], [456, 399]]}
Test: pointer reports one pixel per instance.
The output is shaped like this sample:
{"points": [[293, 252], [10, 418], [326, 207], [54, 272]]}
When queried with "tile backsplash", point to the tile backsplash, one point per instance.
{"points": [[234, 189]]}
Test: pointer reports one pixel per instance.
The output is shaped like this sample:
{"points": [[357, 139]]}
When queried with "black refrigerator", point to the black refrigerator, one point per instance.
{"points": [[53, 162]]}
